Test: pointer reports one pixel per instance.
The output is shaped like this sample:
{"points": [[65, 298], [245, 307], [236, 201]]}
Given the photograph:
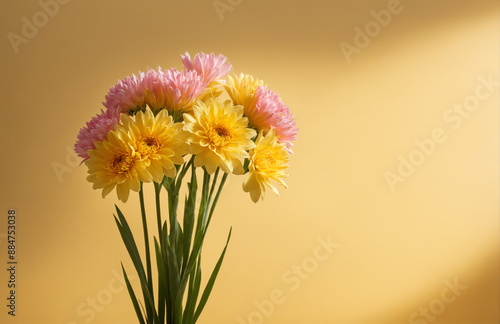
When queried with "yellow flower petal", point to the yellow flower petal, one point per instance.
{"points": [[140, 148], [219, 135], [267, 162]]}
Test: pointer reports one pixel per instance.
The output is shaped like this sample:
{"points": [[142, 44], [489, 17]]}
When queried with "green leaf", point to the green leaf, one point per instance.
{"points": [[170, 262], [197, 245], [245, 166], [216, 199], [179, 252], [161, 282], [179, 298], [181, 174], [167, 271], [167, 181], [149, 280], [216, 175], [189, 212], [205, 199], [202, 228], [211, 281], [193, 291], [129, 241], [173, 201], [134, 299]]}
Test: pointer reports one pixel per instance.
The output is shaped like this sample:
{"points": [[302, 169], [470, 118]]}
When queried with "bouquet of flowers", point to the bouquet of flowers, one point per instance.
{"points": [[161, 126]]}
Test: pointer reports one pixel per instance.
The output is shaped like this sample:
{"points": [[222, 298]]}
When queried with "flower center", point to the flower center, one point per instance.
{"points": [[265, 162], [219, 135], [122, 163], [149, 146]]}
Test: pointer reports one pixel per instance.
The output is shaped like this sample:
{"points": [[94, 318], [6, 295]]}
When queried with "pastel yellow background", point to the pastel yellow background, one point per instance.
{"points": [[398, 249]]}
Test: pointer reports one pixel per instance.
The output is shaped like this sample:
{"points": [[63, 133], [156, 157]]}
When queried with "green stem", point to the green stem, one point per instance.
{"points": [[213, 183], [205, 196], [216, 199], [211, 192], [148, 256], [161, 294], [158, 210], [173, 200], [182, 173]]}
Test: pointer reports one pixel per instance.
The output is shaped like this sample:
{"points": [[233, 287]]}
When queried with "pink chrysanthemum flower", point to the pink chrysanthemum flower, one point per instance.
{"points": [[172, 90], [270, 112], [127, 94], [96, 130], [209, 66]]}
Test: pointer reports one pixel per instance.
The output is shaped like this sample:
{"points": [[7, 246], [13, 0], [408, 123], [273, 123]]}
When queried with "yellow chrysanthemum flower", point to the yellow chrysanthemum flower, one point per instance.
{"points": [[115, 163], [213, 90], [159, 141], [219, 136], [268, 161], [242, 89]]}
